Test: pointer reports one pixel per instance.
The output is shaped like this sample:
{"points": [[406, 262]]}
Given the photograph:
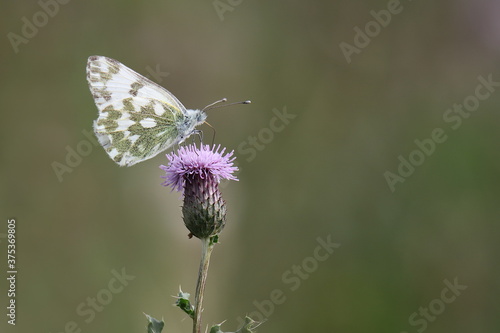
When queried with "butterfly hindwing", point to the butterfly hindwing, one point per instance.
{"points": [[137, 118]]}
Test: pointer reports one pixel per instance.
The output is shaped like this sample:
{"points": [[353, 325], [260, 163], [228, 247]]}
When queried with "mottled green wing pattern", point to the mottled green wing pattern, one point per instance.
{"points": [[138, 119]]}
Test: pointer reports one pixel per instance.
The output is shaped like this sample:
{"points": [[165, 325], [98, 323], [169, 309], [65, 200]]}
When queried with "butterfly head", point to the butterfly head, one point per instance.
{"points": [[192, 119]]}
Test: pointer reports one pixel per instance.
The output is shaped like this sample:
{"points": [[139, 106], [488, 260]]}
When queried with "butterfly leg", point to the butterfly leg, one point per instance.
{"points": [[199, 134]]}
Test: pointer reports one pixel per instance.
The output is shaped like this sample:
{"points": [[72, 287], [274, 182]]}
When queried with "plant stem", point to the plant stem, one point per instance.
{"points": [[206, 250]]}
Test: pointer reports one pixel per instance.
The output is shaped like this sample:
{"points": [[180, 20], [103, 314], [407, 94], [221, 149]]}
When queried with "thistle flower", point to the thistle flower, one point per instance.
{"points": [[198, 171]]}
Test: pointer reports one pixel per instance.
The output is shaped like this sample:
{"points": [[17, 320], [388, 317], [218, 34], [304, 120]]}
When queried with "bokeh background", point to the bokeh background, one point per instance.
{"points": [[320, 174]]}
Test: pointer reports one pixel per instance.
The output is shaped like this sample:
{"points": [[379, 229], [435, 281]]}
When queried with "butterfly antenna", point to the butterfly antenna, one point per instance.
{"points": [[214, 104], [210, 106]]}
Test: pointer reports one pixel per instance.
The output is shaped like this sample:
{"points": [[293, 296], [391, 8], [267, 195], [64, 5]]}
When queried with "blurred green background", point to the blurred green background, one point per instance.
{"points": [[321, 174]]}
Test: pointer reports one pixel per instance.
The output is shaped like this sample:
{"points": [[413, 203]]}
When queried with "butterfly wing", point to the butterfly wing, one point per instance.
{"points": [[137, 117]]}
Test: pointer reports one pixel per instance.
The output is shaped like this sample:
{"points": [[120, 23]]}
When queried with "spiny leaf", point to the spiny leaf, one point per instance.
{"points": [[184, 304], [154, 325], [249, 326]]}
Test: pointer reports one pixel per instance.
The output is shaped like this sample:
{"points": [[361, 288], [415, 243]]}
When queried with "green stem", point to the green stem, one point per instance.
{"points": [[206, 250]]}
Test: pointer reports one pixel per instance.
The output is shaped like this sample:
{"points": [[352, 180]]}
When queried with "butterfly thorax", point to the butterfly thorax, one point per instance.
{"points": [[186, 126]]}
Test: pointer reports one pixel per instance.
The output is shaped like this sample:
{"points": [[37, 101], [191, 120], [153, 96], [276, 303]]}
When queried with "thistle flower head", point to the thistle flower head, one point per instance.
{"points": [[203, 161], [198, 171]]}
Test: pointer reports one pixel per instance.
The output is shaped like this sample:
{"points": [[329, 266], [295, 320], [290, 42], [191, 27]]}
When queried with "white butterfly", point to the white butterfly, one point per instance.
{"points": [[138, 119]]}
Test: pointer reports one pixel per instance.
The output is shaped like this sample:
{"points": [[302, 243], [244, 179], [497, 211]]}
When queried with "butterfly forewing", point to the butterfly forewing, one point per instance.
{"points": [[137, 118]]}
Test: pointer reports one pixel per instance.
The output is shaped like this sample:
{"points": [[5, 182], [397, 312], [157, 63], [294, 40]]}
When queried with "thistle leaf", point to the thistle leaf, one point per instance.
{"points": [[154, 325], [249, 326], [184, 304]]}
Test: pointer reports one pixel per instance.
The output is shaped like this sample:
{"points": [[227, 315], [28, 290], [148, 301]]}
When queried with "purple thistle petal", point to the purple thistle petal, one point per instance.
{"points": [[203, 161]]}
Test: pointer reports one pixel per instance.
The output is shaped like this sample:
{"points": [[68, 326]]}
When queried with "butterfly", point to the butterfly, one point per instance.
{"points": [[138, 119]]}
